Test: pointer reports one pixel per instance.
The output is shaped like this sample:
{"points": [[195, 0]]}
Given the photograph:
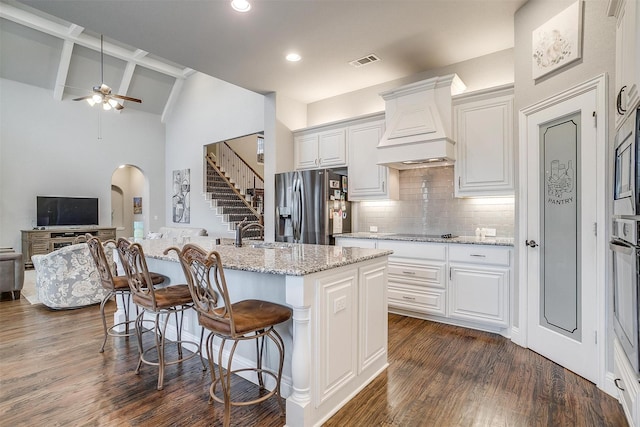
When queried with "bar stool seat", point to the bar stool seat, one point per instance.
{"points": [[248, 316]]}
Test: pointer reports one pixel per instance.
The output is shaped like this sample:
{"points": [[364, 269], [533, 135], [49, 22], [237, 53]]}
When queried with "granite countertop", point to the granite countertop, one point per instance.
{"points": [[469, 240], [289, 259]]}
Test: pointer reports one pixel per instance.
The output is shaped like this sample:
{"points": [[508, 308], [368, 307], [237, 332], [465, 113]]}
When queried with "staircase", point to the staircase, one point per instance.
{"points": [[228, 193]]}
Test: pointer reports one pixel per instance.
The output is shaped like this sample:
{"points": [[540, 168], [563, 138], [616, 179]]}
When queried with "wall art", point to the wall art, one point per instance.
{"points": [[558, 41], [180, 198], [137, 205]]}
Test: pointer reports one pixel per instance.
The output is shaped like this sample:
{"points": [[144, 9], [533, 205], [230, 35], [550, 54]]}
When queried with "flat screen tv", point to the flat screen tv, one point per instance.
{"points": [[58, 211]]}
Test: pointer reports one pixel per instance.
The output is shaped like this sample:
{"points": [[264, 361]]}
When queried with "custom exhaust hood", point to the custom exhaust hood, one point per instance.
{"points": [[419, 124]]}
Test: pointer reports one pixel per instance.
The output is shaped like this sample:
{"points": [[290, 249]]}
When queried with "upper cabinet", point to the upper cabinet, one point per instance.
{"points": [[320, 148], [367, 179], [483, 131], [627, 13], [352, 143]]}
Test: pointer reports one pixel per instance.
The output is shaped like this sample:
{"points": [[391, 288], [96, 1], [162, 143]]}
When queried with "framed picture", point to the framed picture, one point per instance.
{"points": [[558, 41], [137, 205], [181, 196]]}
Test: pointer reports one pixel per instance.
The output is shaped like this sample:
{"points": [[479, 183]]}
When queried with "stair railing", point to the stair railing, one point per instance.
{"points": [[211, 160], [240, 172]]}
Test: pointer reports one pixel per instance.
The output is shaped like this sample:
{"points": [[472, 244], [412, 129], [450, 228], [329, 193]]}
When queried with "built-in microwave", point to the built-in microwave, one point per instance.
{"points": [[626, 191]]}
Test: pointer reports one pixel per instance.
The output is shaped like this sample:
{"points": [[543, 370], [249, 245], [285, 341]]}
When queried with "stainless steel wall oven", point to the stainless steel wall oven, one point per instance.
{"points": [[625, 248], [626, 191]]}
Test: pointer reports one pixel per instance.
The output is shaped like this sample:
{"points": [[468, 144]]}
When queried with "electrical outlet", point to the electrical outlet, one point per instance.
{"points": [[490, 232], [373, 228]]}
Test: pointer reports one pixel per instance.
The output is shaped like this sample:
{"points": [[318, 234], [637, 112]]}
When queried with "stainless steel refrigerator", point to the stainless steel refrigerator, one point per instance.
{"points": [[311, 206]]}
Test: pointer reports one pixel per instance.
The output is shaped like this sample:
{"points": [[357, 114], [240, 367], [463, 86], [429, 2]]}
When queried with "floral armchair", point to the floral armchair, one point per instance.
{"points": [[68, 278]]}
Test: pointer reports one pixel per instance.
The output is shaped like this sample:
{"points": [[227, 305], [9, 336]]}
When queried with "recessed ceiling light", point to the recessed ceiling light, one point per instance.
{"points": [[293, 57], [241, 5]]}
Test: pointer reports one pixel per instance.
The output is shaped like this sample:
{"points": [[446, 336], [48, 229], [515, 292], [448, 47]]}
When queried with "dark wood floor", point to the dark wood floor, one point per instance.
{"points": [[52, 374]]}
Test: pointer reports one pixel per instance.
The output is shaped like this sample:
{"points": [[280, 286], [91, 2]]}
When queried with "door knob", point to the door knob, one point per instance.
{"points": [[531, 243]]}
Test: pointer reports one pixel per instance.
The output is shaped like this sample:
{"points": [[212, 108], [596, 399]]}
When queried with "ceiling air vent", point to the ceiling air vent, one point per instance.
{"points": [[365, 60]]}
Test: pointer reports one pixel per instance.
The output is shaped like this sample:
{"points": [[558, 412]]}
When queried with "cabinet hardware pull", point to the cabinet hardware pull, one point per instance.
{"points": [[409, 272], [478, 255], [409, 298], [619, 108], [616, 383]]}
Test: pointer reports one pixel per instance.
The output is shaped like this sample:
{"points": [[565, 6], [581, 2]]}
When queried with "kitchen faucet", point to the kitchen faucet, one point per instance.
{"points": [[241, 228]]}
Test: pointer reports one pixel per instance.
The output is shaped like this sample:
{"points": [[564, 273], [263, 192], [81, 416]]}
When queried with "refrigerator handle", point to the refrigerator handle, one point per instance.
{"points": [[295, 214]]}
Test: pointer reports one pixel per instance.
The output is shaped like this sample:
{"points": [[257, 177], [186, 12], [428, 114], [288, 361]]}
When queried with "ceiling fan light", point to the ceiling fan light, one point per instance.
{"points": [[113, 102], [241, 5], [106, 106], [97, 98], [91, 101]]}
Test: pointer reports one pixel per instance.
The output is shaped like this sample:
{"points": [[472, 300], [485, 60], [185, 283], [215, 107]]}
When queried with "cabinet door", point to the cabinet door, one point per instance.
{"points": [[484, 140], [479, 294], [367, 179], [372, 293], [332, 148], [627, 57], [306, 151]]}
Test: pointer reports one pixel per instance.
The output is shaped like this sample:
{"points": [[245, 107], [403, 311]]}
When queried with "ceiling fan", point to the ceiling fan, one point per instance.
{"points": [[102, 94]]}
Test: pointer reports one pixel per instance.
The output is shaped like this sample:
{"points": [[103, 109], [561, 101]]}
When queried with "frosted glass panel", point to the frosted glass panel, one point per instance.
{"points": [[560, 308]]}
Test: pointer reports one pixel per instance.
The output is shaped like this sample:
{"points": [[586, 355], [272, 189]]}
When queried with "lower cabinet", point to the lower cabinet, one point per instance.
{"points": [[463, 284], [479, 278], [417, 277], [627, 383]]}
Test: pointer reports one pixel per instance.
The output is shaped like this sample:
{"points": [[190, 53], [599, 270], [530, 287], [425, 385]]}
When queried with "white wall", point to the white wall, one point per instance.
{"points": [[50, 147], [208, 110]]}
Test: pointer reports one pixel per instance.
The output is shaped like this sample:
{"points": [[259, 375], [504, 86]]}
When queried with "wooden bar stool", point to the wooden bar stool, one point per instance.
{"points": [[240, 321], [160, 301]]}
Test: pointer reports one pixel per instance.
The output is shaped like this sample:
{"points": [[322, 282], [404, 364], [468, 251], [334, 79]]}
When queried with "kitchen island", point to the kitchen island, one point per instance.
{"points": [[336, 341]]}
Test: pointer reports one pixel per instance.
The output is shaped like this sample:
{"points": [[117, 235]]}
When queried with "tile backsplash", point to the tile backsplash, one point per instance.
{"points": [[427, 206]]}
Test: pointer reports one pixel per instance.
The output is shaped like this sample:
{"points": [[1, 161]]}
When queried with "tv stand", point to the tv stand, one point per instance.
{"points": [[40, 242]]}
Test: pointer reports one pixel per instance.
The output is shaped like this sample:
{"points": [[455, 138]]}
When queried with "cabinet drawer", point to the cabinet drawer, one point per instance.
{"points": [[479, 254], [39, 247], [415, 250], [431, 301], [420, 274]]}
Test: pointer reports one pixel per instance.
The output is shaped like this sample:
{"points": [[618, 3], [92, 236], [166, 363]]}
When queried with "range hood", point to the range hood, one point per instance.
{"points": [[419, 124]]}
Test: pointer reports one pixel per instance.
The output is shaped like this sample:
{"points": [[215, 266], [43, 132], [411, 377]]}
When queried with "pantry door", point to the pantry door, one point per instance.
{"points": [[559, 241]]}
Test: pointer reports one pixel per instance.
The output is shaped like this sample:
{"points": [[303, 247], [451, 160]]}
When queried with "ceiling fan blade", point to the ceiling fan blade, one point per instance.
{"points": [[126, 98], [83, 98]]}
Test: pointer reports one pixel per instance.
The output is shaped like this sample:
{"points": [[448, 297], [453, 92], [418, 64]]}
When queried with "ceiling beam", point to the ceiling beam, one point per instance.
{"points": [[63, 70], [69, 33], [173, 95]]}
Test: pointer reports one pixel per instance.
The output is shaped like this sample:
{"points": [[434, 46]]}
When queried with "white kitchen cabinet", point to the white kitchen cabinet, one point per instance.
{"points": [[627, 13], [479, 278], [483, 130], [367, 179], [417, 277], [321, 149], [351, 327], [627, 383]]}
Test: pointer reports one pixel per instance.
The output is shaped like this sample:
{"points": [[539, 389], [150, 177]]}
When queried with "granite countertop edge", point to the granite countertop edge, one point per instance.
{"points": [[467, 240], [252, 259]]}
